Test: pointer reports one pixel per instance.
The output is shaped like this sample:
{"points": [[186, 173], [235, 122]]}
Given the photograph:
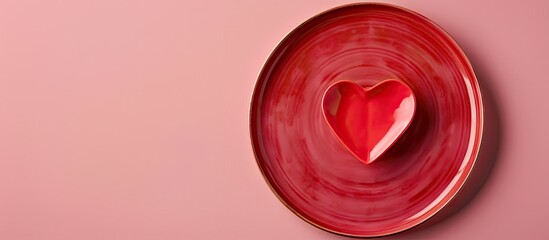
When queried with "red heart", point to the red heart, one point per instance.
{"points": [[367, 121]]}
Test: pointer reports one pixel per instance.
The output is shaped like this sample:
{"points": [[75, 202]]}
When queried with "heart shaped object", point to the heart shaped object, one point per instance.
{"points": [[367, 121]]}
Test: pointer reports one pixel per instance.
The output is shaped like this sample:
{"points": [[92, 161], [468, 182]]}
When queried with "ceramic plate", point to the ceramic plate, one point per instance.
{"points": [[308, 168]]}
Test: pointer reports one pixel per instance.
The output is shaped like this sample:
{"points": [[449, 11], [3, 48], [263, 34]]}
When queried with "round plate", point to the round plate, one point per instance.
{"points": [[302, 160]]}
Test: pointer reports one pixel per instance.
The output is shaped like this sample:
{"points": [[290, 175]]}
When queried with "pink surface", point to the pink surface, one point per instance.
{"points": [[129, 119]]}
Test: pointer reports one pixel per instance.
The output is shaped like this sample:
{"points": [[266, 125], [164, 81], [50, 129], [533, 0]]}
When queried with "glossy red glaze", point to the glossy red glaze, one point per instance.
{"points": [[367, 121], [318, 178]]}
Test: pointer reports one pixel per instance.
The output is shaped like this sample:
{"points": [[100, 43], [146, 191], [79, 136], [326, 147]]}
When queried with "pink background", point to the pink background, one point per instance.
{"points": [[129, 119]]}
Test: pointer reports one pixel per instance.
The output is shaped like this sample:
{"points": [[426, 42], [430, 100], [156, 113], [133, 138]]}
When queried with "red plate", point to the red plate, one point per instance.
{"points": [[318, 178]]}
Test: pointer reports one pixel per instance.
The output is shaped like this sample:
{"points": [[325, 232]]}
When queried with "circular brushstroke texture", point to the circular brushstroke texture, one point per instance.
{"points": [[312, 173]]}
